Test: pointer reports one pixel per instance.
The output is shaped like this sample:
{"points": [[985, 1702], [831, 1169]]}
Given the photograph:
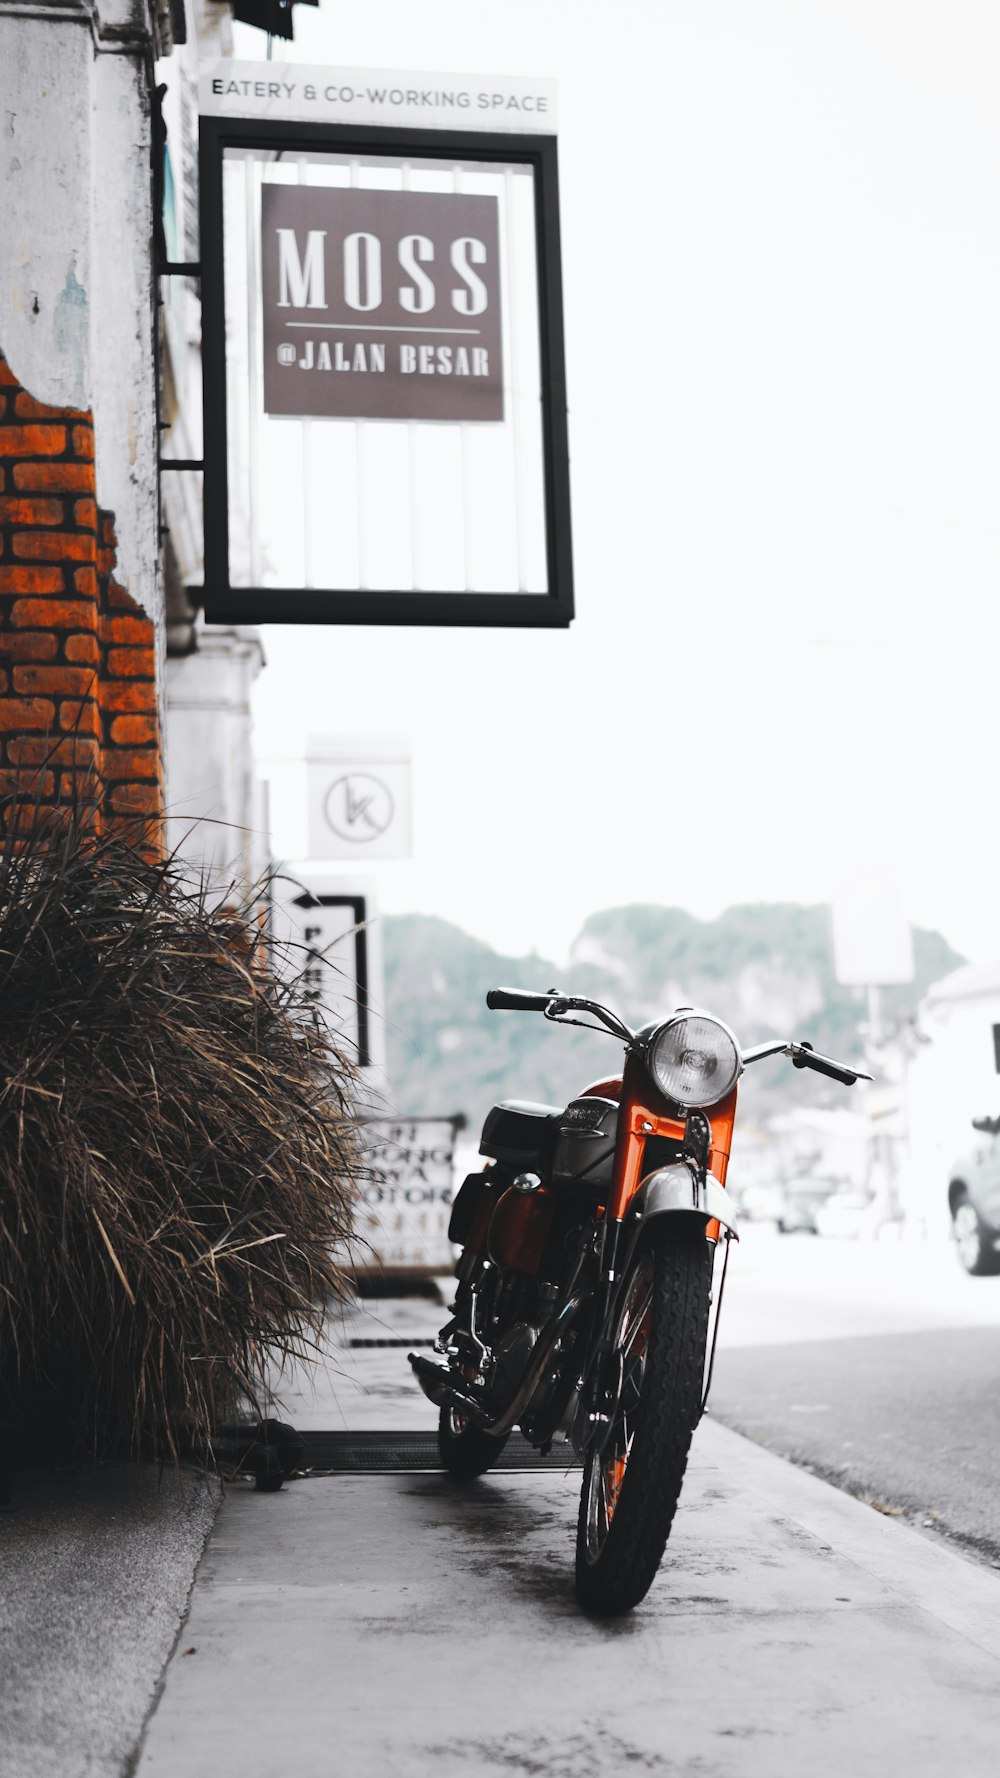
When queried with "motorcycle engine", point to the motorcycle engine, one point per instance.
{"points": [[510, 1357]]}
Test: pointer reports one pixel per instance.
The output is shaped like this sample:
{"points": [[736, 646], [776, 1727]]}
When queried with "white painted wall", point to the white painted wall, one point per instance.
{"points": [[214, 804], [76, 274]]}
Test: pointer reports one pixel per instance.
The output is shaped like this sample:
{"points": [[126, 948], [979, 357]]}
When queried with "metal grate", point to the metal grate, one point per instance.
{"points": [[381, 1453]]}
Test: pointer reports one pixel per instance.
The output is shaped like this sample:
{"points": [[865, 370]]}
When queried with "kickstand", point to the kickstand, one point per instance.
{"points": [[715, 1329]]}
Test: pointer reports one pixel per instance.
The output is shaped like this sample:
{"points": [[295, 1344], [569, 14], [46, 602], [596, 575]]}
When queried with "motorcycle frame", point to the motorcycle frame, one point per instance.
{"points": [[643, 1114]]}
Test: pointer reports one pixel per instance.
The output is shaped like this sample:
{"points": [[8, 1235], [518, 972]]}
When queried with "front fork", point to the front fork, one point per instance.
{"points": [[601, 1385]]}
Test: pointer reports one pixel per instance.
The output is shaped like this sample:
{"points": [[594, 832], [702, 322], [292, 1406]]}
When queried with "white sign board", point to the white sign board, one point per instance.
{"points": [[359, 798], [872, 938], [407, 1196], [306, 93], [324, 929]]}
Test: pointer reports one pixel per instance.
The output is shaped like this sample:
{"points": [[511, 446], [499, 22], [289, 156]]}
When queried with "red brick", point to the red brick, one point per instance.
{"points": [[58, 614], [87, 786], [81, 648], [26, 713], [4, 679], [62, 478], [33, 817], [83, 442], [79, 718], [31, 580], [7, 378], [131, 762], [3, 479], [135, 798], [137, 630], [35, 441], [56, 750], [28, 645], [49, 546], [85, 513], [86, 581], [25, 785], [30, 409], [127, 695], [58, 682], [131, 663], [30, 512], [133, 731], [120, 600]]}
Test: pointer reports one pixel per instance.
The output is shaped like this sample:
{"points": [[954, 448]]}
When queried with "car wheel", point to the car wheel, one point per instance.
{"points": [[973, 1239]]}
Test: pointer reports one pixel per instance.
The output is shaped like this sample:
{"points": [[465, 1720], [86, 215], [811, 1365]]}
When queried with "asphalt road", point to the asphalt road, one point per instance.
{"points": [[875, 1366]]}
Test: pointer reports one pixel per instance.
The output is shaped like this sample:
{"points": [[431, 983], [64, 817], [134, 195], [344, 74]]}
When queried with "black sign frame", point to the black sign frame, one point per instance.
{"points": [[224, 603]]}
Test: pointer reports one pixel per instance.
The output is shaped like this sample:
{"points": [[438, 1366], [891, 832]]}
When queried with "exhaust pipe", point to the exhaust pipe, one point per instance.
{"points": [[440, 1385]]}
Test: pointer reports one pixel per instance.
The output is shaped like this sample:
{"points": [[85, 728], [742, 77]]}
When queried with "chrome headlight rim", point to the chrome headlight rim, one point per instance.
{"points": [[700, 1102]]}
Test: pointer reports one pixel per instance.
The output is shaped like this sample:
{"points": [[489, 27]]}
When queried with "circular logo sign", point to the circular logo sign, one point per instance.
{"points": [[358, 807]]}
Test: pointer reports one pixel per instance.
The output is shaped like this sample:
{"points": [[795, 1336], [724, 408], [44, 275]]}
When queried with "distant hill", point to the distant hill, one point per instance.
{"points": [[766, 969]]}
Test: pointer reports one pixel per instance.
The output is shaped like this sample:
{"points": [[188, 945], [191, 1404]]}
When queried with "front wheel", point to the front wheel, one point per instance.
{"points": [[631, 1486]]}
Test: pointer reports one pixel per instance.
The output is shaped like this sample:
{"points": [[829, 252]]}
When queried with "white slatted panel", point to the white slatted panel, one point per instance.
{"points": [[383, 504]]}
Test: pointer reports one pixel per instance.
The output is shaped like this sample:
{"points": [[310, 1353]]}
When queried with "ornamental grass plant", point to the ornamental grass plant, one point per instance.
{"points": [[178, 1151]]}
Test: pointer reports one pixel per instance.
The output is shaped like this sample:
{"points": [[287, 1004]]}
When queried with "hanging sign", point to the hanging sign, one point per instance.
{"points": [[359, 797], [385, 97], [381, 305], [385, 394]]}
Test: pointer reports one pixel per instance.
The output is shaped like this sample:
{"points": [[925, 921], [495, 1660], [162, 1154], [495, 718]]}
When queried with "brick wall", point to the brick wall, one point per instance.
{"points": [[78, 706]]}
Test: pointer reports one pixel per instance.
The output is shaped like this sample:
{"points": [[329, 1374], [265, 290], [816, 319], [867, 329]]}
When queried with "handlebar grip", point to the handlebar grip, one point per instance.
{"points": [[847, 1077], [516, 1000]]}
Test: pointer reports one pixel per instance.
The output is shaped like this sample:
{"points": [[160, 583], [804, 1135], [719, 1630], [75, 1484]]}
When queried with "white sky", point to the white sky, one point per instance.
{"points": [[782, 284]]}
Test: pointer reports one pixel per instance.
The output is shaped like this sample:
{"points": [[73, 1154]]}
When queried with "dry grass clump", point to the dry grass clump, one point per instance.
{"points": [[177, 1151]]}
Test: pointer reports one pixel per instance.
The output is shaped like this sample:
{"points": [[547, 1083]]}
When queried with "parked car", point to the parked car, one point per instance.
{"points": [[759, 1203], [974, 1200], [847, 1215], [801, 1200]]}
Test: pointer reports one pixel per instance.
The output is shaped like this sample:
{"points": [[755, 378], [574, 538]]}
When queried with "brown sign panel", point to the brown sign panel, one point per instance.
{"points": [[381, 305]]}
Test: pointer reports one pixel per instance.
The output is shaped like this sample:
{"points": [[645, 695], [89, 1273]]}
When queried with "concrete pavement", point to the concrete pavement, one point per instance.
{"points": [[401, 1624], [97, 1566]]}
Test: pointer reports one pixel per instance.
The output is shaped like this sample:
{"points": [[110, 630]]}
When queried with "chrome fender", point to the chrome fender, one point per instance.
{"points": [[677, 1190]]}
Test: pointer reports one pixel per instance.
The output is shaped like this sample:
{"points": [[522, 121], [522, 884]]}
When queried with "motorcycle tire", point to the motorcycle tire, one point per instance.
{"points": [[632, 1484], [466, 1451]]}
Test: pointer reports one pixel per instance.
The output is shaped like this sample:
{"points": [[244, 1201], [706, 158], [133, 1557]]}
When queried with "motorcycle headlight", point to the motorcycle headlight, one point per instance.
{"points": [[694, 1059]]}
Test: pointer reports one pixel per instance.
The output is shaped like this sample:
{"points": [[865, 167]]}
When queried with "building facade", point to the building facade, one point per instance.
{"points": [[100, 547]]}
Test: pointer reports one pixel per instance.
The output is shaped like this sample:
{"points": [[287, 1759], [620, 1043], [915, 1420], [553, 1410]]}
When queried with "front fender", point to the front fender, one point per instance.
{"points": [[677, 1190]]}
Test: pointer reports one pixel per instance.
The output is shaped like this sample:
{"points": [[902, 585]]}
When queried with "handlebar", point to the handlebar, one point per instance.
{"points": [[804, 1056], [517, 1000], [557, 1005]]}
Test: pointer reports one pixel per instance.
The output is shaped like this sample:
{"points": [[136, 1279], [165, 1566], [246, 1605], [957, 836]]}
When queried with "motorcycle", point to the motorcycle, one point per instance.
{"points": [[585, 1283]]}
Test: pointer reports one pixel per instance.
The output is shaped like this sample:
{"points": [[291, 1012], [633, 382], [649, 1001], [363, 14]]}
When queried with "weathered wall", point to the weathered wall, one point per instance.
{"points": [[77, 286], [215, 813], [78, 658]]}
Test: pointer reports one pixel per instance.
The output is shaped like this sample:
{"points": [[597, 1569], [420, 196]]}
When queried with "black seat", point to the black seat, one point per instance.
{"points": [[521, 1134]]}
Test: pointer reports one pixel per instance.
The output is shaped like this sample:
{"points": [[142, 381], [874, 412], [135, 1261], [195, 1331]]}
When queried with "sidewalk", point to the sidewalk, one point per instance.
{"points": [[97, 1565], [400, 1624]]}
